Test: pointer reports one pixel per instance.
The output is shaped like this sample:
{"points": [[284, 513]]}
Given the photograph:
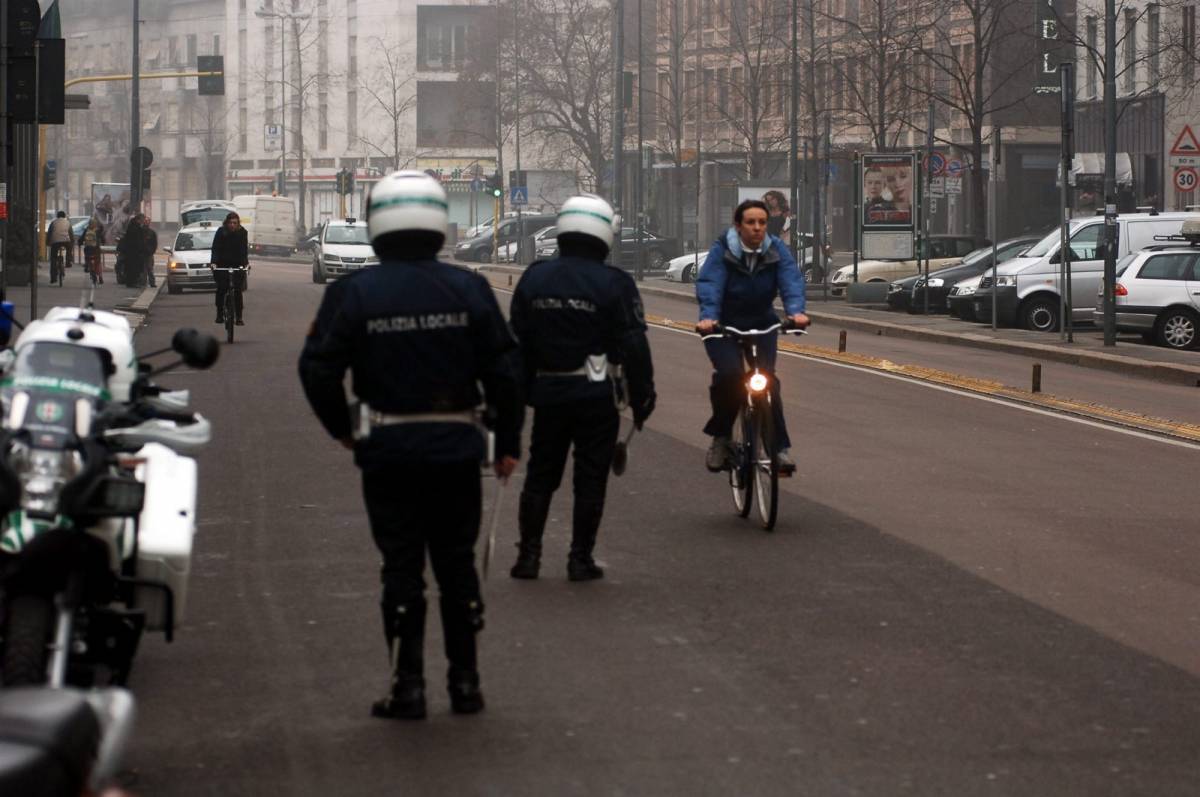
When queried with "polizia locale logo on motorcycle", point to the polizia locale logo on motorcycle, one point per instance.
{"points": [[50, 412]]}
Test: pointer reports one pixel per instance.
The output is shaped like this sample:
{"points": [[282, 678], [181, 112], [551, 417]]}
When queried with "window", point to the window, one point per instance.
{"points": [[1085, 244], [1167, 267], [191, 50], [216, 48], [1093, 71], [1130, 50], [351, 118], [1152, 43]]}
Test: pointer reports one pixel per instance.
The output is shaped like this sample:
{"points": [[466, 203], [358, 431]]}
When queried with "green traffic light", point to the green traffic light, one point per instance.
{"points": [[496, 192]]}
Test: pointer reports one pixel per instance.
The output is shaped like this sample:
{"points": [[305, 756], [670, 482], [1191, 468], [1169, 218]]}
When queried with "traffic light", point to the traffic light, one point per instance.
{"points": [[495, 185], [211, 85], [340, 181], [345, 182], [349, 181], [50, 175], [141, 159]]}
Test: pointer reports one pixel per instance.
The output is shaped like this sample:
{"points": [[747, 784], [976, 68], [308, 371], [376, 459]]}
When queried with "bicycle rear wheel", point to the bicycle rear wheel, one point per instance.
{"points": [[766, 465], [740, 474]]}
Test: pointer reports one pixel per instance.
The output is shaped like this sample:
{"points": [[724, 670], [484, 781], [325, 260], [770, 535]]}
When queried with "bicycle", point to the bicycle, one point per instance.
{"points": [[232, 294], [754, 451], [58, 263]]}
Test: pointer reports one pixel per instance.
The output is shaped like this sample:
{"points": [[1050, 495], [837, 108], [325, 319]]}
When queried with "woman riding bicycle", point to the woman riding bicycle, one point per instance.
{"points": [[744, 272], [230, 249]]}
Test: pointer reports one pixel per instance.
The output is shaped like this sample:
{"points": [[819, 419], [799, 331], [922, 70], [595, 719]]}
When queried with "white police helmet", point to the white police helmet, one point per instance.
{"points": [[407, 201], [588, 214]]}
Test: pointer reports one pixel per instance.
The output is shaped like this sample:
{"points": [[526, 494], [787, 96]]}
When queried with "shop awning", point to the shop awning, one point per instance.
{"points": [[1091, 165]]}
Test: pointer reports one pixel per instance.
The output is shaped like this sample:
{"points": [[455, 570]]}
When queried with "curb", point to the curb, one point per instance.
{"points": [[1179, 374], [138, 311]]}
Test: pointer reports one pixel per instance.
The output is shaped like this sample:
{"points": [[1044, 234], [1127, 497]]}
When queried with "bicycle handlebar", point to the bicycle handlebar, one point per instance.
{"points": [[722, 331]]}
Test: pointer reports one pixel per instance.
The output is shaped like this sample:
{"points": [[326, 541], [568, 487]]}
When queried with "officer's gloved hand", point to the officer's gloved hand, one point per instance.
{"points": [[643, 410]]}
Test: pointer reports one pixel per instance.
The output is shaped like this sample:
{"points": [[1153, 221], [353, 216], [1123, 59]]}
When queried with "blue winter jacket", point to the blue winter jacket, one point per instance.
{"points": [[729, 292]]}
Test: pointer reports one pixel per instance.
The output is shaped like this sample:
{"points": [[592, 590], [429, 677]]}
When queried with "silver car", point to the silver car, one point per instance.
{"points": [[1157, 293]]}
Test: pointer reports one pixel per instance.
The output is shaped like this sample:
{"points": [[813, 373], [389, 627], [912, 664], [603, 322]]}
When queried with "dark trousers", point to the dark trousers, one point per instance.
{"points": [[65, 249], [426, 507], [592, 427], [223, 282], [149, 267], [728, 391]]}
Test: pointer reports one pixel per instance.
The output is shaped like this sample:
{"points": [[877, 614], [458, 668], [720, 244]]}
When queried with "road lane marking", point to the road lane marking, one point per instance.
{"points": [[1147, 427]]}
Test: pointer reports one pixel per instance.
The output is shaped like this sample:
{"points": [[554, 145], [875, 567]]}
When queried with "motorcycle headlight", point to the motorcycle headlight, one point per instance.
{"points": [[43, 472], [936, 283]]}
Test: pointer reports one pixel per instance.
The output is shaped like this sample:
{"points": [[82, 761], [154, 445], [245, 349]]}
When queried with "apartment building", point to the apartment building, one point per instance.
{"points": [[317, 86], [186, 133]]}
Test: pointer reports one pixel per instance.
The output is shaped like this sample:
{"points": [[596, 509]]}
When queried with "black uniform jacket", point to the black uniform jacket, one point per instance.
{"points": [[568, 308], [417, 337]]}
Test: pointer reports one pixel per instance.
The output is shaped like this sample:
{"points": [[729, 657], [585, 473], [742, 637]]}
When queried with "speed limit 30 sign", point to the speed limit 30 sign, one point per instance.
{"points": [[1186, 179]]}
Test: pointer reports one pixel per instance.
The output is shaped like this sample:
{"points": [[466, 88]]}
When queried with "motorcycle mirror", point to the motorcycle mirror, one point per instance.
{"points": [[197, 349]]}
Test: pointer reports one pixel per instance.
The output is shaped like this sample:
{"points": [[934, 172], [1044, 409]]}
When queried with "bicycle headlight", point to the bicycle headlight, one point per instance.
{"points": [[758, 382]]}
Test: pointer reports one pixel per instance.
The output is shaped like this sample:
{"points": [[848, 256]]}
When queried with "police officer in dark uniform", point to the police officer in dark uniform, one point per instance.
{"points": [[419, 337], [579, 323]]}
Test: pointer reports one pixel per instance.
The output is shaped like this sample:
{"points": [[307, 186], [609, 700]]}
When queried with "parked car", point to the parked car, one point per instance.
{"points": [[909, 293], [1157, 294], [944, 250], [343, 246], [658, 249], [479, 248], [1027, 293], [189, 258]]}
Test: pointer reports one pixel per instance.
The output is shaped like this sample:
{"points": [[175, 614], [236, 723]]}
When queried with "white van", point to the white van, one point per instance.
{"points": [[270, 223], [1027, 293]]}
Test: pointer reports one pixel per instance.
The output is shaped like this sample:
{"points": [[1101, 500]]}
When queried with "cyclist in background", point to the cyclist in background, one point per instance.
{"points": [[61, 240], [230, 249], [744, 272]]}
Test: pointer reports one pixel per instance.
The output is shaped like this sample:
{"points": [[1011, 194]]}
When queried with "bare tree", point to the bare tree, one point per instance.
{"points": [[981, 57], [211, 127], [391, 85]]}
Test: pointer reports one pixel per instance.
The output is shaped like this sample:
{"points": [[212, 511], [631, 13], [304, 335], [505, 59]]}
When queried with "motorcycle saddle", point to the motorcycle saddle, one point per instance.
{"points": [[48, 741]]}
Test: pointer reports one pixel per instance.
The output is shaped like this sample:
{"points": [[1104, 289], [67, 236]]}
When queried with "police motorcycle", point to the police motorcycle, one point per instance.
{"points": [[97, 499]]}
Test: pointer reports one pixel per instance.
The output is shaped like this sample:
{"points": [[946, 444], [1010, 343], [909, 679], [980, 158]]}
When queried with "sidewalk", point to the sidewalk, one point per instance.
{"points": [[134, 303], [1130, 356]]}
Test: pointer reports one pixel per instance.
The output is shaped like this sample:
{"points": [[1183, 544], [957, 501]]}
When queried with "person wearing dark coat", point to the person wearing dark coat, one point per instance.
{"points": [[230, 248]]}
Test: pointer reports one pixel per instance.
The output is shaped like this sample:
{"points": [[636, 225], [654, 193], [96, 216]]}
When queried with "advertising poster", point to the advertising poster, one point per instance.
{"points": [[110, 205], [780, 217], [888, 205]]}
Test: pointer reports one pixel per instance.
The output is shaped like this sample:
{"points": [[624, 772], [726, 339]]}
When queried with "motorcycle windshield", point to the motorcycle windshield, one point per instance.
{"points": [[55, 376]]}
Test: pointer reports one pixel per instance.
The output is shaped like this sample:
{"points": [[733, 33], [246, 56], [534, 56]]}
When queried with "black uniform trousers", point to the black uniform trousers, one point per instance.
{"points": [[592, 427], [419, 507]]}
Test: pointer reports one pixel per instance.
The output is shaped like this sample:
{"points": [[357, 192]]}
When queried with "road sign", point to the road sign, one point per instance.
{"points": [[937, 187], [935, 164], [954, 168], [1186, 179], [477, 184], [953, 186], [1186, 143], [272, 137], [518, 195]]}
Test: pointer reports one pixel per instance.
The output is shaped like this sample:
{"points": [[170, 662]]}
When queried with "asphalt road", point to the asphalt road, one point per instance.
{"points": [[961, 598]]}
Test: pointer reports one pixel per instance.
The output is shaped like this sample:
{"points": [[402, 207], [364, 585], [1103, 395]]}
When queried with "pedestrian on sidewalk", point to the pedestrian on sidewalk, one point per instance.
{"points": [[149, 248], [131, 254], [420, 338], [578, 321]]}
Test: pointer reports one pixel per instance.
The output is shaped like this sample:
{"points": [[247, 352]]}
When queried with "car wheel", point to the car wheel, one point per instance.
{"points": [[689, 274], [1040, 314], [1178, 328], [813, 275], [318, 274], [481, 255], [655, 260]]}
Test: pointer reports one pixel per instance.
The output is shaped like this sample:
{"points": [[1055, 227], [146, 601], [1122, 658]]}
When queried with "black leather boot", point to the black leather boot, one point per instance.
{"points": [[404, 626], [460, 622], [585, 525], [531, 518]]}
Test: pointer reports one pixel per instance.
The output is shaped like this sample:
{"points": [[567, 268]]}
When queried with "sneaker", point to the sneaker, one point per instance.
{"points": [[717, 458], [786, 466]]}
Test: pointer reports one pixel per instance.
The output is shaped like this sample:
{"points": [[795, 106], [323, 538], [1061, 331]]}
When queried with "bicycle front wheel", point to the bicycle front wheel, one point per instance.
{"points": [[766, 464], [229, 318], [740, 473]]}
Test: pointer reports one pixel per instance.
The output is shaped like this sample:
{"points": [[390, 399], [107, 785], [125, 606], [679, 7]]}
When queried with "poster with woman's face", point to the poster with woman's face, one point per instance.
{"points": [[887, 191]]}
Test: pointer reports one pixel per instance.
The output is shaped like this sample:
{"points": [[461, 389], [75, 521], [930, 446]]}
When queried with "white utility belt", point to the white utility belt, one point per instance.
{"points": [[595, 368], [367, 419]]}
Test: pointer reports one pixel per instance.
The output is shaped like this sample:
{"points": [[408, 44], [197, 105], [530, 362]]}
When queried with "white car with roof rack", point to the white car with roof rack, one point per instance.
{"points": [[343, 247], [189, 258]]}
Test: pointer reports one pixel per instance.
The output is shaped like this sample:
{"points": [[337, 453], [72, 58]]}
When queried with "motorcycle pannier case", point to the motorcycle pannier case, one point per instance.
{"points": [[166, 528]]}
